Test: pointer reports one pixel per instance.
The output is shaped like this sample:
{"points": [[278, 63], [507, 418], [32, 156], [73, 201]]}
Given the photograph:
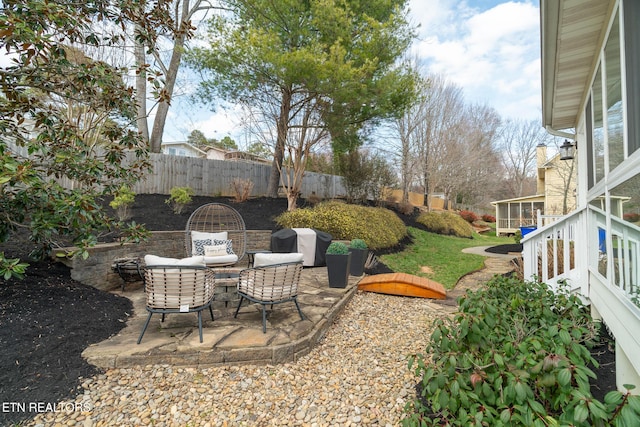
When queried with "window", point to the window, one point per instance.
{"points": [[631, 13], [590, 161], [615, 122], [598, 129]]}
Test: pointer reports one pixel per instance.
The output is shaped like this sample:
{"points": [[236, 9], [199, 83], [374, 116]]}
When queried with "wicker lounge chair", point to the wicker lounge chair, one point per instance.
{"points": [[213, 225], [178, 288], [268, 284]]}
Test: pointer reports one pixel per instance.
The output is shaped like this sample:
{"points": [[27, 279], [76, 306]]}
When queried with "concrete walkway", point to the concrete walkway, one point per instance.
{"points": [[494, 264], [228, 340]]}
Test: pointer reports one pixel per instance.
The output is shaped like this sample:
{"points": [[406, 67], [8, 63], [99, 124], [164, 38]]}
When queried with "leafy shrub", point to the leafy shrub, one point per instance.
{"points": [[405, 208], [516, 354], [364, 175], [179, 198], [631, 217], [122, 202], [446, 223], [469, 216], [337, 248], [358, 244], [488, 218], [11, 267], [378, 227], [314, 199], [517, 237]]}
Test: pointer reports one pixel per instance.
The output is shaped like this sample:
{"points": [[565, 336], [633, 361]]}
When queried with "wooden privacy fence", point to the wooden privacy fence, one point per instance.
{"points": [[209, 177]]}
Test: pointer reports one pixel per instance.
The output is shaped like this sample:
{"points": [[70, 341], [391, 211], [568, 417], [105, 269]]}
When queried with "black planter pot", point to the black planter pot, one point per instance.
{"points": [[358, 259], [338, 267]]}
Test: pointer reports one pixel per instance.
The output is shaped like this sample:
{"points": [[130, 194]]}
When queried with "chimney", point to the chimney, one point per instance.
{"points": [[541, 159]]}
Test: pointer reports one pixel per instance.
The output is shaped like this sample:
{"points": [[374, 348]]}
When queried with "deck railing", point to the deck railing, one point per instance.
{"points": [[569, 248], [551, 254], [515, 223]]}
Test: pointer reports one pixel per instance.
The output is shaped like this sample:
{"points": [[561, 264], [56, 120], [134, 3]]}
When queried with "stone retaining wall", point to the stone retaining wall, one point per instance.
{"points": [[97, 269]]}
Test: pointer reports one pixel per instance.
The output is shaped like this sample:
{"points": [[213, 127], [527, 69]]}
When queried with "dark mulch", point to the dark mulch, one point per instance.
{"points": [[48, 319], [505, 249]]}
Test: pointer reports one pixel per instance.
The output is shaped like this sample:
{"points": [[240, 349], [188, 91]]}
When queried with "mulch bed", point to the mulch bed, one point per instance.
{"points": [[505, 249]]}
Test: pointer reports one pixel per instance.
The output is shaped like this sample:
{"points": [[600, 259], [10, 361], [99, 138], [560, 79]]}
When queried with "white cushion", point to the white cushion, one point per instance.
{"points": [[228, 245], [197, 246], [215, 250], [264, 259], [151, 260], [221, 260], [201, 235]]}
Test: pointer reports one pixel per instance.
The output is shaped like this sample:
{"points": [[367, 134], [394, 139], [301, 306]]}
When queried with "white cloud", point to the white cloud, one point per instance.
{"points": [[493, 54]]}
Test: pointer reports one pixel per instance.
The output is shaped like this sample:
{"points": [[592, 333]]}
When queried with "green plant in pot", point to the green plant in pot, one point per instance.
{"points": [[359, 252], [338, 264]]}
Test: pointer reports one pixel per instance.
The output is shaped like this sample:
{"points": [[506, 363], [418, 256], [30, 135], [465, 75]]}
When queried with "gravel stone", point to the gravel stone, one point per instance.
{"points": [[357, 375]]}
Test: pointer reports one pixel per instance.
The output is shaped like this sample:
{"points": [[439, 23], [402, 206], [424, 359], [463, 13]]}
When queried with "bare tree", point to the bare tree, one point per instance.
{"points": [[482, 165], [439, 130], [564, 189], [409, 129], [518, 142], [305, 132], [178, 29], [454, 144]]}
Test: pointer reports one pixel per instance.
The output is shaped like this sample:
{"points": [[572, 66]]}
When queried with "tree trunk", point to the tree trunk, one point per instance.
{"points": [[427, 190], [141, 89], [171, 73], [281, 138], [292, 201]]}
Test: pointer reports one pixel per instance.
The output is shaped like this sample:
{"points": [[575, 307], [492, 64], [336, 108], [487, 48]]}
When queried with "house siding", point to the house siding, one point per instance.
{"points": [[603, 237]]}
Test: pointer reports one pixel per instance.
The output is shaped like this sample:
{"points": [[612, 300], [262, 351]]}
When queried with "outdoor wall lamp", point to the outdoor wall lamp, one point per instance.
{"points": [[567, 150]]}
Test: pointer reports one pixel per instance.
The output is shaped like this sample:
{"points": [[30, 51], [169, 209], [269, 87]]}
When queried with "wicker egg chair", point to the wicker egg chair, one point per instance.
{"points": [[217, 218]]}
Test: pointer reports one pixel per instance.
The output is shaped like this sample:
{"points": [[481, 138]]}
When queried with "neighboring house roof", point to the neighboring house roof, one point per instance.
{"points": [[552, 162], [520, 199], [218, 149], [185, 145], [241, 155]]}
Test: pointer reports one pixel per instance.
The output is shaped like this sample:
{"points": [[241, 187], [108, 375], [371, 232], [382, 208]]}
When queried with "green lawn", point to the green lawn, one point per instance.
{"points": [[442, 254]]}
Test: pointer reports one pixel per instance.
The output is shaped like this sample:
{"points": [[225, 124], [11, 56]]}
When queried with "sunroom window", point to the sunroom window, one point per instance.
{"points": [[615, 123], [598, 127]]}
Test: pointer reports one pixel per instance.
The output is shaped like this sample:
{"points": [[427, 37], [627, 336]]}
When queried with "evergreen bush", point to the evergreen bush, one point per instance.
{"points": [[516, 354], [358, 244], [446, 223], [179, 198], [379, 227], [122, 202], [337, 248]]}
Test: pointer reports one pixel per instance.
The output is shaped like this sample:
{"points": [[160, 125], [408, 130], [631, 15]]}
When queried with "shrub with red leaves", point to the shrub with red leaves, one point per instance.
{"points": [[488, 218], [469, 216], [631, 217]]}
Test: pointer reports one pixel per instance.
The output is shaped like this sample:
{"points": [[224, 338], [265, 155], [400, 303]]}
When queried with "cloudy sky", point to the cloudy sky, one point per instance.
{"points": [[490, 48]]}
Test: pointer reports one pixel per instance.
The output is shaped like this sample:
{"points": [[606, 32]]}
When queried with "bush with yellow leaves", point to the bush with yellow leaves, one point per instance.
{"points": [[378, 227]]}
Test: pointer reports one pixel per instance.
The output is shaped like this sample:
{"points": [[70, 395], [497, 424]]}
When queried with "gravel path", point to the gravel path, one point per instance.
{"points": [[358, 375]]}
